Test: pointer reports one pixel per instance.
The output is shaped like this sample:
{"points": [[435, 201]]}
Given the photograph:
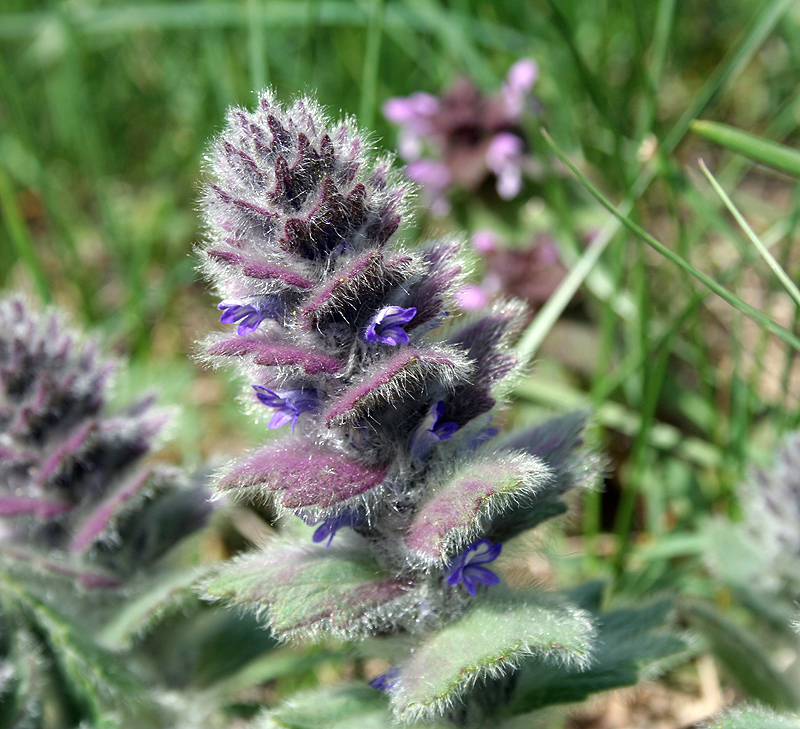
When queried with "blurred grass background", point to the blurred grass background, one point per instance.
{"points": [[107, 109]]}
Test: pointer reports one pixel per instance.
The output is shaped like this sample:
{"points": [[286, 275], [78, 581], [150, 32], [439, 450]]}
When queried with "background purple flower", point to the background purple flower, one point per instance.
{"points": [[467, 567], [531, 272], [504, 157], [519, 82], [465, 136]]}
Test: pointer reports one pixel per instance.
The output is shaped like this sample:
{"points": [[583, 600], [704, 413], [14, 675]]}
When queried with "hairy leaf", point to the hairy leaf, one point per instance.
{"points": [[313, 592], [390, 382], [348, 706], [301, 474], [489, 641], [754, 718], [461, 508], [627, 642]]}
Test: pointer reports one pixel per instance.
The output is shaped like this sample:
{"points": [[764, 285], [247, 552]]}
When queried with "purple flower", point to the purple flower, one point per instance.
{"points": [[249, 312], [519, 82], [414, 114], [387, 325], [473, 297], [467, 567], [386, 681], [329, 527], [504, 158], [289, 404], [484, 241], [430, 431], [435, 180]]}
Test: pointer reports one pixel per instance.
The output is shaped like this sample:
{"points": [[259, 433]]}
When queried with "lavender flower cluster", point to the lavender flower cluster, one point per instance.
{"points": [[384, 404], [465, 136], [530, 274]]}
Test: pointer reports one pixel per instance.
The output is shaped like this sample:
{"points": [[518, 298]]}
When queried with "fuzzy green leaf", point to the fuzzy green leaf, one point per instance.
{"points": [[349, 706], [151, 601], [94, 679], [461, 508], [626, 644], [754, 718], [312, 592], [283, 661], [743, 656], [21, 680], [488, 642], [762, 150], [741, 564]]}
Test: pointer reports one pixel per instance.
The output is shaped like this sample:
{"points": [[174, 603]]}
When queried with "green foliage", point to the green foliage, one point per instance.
{"points": [[348, 706], [744, 657], [756, 148], [55, 652], [313, 593], [628, 642], [488, 642], [754, 718]]}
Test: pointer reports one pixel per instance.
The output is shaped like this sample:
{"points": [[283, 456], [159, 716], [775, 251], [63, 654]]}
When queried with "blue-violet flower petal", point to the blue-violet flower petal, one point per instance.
{"points": [[430, 431], [387, 325], [467, 567], [386, 681], [289, 404], [329, 527], [249, 312]]}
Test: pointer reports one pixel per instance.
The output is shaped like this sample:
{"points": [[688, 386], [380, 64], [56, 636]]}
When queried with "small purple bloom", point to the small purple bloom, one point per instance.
{"points": [[387, 325], [289, 404], [414, 114], [504, 158], [467, 567], [484, 241], [430, 431], [435, 179], [472, 297], [329, 527], [386, 681], [249, 312], [519, 82]]}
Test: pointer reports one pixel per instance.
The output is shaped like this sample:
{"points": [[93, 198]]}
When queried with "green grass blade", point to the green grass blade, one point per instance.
{"points": [[783, 277], [18, 233], [761, 150], [549, 314], [736, 59], [256, 45], [684, 265], [372, 54]]}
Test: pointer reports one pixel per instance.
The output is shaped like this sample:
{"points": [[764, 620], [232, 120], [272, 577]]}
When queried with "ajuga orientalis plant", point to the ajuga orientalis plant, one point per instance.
{"points": [[85, 518], [397, 494]]}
